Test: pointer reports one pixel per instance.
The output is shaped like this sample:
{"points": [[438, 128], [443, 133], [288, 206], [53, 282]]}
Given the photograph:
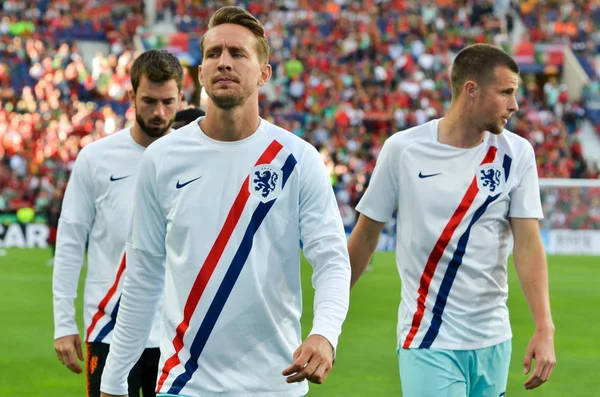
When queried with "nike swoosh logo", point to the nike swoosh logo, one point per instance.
{"points": [[180, 185], [422, 176], [112, 178]]}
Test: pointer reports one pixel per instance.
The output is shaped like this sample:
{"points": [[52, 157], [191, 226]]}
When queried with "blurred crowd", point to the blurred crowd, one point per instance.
{"points": [[562, 21], [347, 75], [571, 208], [573, 22]]}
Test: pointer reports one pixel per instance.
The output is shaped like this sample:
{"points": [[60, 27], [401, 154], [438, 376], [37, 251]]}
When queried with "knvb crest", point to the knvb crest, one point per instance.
{"points": [[265, 182], [490, 179]]}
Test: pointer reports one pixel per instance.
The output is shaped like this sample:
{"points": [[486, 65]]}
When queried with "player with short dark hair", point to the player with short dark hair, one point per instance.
{"points": [[462, 185], [97, 207]]}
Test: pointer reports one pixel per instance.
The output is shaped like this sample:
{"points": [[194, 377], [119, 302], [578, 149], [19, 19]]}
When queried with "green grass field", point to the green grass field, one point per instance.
{"points": [[366, 364]]}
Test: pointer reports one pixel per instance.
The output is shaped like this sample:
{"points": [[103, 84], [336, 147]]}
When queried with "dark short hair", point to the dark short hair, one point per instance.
{"points": [[186, 116], [158, 66], [189, 115], [478, 62], [239, 16]]}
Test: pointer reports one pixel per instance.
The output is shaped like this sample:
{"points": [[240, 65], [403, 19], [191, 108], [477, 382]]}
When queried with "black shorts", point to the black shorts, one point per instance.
{"points": [[142, 377]]}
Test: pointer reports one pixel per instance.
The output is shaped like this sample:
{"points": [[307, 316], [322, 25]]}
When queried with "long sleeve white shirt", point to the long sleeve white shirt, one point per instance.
{"points": [[97, 207], [218, 226]]}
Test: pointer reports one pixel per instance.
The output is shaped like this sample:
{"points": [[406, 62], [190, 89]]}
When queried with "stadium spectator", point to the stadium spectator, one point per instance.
{"points": [[344, 79]]}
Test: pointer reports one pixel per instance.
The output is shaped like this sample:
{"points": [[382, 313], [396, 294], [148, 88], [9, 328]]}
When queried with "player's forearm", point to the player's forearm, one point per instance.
{"points": [[331, 280], [68, 261], [142, 293], [361, 246], [532, 271]]}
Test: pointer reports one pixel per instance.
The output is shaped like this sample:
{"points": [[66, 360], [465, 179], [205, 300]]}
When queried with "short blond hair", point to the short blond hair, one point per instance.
{"points": [[239, 16]]}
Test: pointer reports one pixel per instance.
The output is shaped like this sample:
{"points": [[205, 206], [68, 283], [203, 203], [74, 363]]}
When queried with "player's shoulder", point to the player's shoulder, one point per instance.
{"points": [[98, 149], [175, 138], [513, 144], [297, 146], [417, 134]]}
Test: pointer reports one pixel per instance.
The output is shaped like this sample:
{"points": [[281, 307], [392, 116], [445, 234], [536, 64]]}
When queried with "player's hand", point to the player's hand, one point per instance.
{"points": [[312, 361], [540, 349], [68, 350]]}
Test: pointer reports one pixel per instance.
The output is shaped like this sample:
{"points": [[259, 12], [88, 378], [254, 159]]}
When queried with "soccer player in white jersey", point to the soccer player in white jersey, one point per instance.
{"points": [[221, 207], [461, 185], [97, 208]]}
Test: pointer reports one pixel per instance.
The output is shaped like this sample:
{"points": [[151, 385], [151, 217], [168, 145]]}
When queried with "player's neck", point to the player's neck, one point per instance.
{"points": [[458, 129], [232, 124], [140, 137]]}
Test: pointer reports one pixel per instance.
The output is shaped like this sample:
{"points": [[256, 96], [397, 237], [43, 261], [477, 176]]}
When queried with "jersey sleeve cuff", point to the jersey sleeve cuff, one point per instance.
{"points": [[372, 214], [66, 330]]}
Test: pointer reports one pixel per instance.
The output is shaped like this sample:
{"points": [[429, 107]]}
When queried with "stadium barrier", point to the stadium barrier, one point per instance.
{"points": [[571, 224], [24, 235]]}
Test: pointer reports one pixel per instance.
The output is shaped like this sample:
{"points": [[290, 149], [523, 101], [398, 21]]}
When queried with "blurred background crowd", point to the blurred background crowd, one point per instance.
{"points": [[347, 74]]}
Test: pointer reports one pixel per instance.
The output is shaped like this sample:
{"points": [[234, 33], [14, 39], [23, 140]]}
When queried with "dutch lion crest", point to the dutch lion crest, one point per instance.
{"points": [[490, 179], [266, 182]]}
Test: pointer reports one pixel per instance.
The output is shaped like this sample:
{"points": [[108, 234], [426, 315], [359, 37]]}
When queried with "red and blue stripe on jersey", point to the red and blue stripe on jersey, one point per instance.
{"points": [[230, 278], [110, 325], [455, 262]]}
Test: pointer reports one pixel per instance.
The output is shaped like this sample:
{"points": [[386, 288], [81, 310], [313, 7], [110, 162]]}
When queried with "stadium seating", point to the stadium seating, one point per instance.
{"points": [[344, 80]]}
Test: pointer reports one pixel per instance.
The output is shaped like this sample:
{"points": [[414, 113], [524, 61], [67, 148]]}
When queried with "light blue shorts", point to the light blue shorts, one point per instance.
{"points": [[455, 373]]}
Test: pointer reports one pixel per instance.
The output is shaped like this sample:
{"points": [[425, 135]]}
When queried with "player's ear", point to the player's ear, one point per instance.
{"points": [[200, 76], [265, 74], [131, 96], [471, 89]]}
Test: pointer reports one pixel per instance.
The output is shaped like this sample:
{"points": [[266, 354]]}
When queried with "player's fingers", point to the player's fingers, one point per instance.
{"points": [[79, 350], [550, 369], [533, 378], [299, 363], [297, 352], [320, 374], [62, 352], [534, 381], [529, 383], [548, 365], [304, 373], [71, 362], [544, 375], [61, 357], [76, 368], [527, 361], [293, 368]]}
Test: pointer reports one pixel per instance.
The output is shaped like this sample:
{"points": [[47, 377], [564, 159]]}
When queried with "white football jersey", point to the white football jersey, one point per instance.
{"points": [[218, 225], [97, 207], [453, 231]]}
